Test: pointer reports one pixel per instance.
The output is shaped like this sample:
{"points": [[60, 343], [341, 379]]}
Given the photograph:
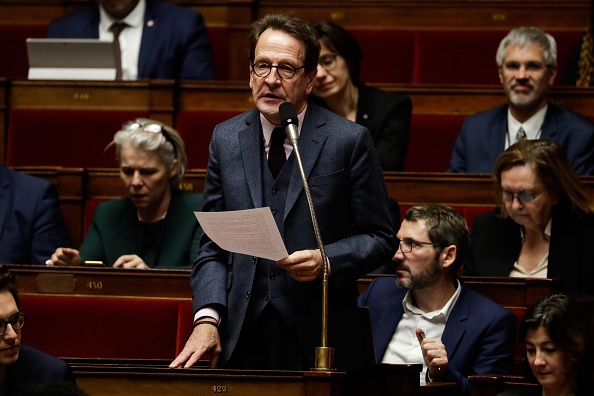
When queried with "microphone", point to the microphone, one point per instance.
{"points": [[324, 355], [289, 121]]}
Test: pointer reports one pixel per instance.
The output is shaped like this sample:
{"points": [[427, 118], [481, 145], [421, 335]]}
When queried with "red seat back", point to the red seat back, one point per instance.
{"points": [[432, 139], [196, 127], [90, 327], [387, 55], [13, 47], [69, 138]]}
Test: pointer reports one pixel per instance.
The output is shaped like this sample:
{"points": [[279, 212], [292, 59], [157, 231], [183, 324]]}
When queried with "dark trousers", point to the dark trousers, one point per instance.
{"points": [[268, 344]]}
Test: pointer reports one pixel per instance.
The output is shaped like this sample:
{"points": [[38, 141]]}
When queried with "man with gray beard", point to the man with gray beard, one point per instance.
{"points": [[527, 64], [427, 315]]}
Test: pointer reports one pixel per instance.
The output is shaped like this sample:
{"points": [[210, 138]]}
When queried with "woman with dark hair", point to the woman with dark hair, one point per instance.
{"points": [[154, 226], [337, 87], [557, 334], [543, 226]]}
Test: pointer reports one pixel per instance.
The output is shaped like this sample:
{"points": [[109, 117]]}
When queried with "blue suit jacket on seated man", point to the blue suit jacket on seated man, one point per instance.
{"points": [[174, 40], [31, 225], [426, 315], [34, 367], [482, 139], [479, 335], [527, 62]]}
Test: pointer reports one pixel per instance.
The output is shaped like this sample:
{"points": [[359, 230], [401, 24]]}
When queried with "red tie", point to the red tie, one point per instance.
{"points": [[116, 29], [276, 154]]}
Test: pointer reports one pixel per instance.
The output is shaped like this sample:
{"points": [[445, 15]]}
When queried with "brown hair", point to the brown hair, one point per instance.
{"points": [[293, 26], [551, 165]]}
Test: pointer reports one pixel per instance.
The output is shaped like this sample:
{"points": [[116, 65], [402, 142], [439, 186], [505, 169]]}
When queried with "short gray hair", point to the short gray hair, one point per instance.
{"points": [[167, 144], [523, 36]]}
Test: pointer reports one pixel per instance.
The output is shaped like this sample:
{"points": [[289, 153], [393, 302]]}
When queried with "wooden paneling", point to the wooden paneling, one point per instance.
{"points": [[443, 13], [510, 293], [156, 97], [75, 186]]}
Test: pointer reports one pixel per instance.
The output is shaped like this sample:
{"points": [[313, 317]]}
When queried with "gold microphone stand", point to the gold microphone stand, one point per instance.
{"points": [[324, 354]]}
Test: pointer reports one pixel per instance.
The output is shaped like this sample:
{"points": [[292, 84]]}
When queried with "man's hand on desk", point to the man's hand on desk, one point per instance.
{"points": [[303, 265], [64, 257], [204, 338]]}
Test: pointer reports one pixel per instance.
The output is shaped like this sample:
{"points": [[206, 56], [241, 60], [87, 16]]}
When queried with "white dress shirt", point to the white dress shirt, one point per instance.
{"points": [[404, 348], [532, 126]]}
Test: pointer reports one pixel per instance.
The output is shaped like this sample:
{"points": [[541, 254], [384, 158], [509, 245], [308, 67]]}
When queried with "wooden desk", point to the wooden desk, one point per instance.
{"points": [[510, 293], [492, 385], [155, 96], [107, 377], [104, 282], [97, 380]]}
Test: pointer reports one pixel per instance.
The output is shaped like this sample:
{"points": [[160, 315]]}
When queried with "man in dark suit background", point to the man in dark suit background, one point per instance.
{"points": [[260, 314], [159, 40], [22, 366], [426, 315], [527, 61], [31, 225]]}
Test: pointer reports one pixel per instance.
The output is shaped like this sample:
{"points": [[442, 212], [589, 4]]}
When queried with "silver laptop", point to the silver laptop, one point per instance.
{"points": [[70, 59]]}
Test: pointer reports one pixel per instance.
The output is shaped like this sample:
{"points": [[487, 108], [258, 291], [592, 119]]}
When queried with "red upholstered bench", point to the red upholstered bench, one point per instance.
{"points": [[196, 127], [432, 138], [219, 41], [97, 327], [387, 55], [470, 213], [456, 57], [468, 56], [59, 137], [14, 50]]}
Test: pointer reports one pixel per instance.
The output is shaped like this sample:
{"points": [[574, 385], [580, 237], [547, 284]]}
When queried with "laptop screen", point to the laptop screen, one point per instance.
{"points": [[70, 59]]}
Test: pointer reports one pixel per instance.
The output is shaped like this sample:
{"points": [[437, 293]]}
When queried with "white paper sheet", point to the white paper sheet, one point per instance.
{"points": [[252, 232]]}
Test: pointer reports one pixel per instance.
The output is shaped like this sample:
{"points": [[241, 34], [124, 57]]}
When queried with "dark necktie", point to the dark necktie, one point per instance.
{"points": [[521, 135], [116, 29], [276, 154]]}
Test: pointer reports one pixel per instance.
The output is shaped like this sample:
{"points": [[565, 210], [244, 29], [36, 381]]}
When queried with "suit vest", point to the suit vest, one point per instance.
{"points": [[271, 285]]}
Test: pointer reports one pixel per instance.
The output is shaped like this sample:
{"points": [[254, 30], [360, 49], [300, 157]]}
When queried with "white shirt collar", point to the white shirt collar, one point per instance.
{"points": [[532, 126], [446, 310], [268, 126]]}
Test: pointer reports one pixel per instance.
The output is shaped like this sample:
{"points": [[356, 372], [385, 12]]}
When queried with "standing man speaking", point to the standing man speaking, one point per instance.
{"points": [[260, 314]]}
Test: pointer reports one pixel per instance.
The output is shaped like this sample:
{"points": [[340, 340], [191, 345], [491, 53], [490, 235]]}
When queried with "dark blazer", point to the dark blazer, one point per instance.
{"points": [[115, 231], [495, 245], [350, 198], [482, 139], [174, 46], [31, 225], [479, 335], [33, 367], [387, 117]]}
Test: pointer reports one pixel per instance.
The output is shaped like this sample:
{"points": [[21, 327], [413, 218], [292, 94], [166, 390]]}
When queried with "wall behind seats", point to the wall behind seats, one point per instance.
{"points": [[13, 48]]}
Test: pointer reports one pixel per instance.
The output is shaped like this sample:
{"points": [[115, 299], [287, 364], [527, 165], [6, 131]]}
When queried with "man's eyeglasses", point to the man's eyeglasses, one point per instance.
{"points": [[285, 71], [154, 128], [524, 197], [407, 244], [328, 61], [17, 321]]}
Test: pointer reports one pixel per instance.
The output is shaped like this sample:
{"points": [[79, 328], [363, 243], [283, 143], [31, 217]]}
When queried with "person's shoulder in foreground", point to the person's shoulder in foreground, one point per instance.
{"points": [[32, 224]]}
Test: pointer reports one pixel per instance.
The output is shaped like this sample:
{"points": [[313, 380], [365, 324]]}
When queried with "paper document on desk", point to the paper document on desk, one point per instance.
{"points": [[252, 232]]}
